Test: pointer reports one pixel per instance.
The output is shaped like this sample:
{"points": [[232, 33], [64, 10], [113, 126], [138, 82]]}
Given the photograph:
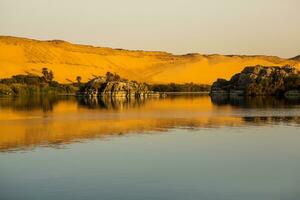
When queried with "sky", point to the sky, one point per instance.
{"points": [[265, 27]]}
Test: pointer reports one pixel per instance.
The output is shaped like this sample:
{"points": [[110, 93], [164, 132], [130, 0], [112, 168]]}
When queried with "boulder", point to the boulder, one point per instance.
{"points": [[114, 88], [260, 80]]}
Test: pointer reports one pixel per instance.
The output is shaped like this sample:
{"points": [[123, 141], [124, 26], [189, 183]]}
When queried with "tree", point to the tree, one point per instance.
{"points": [[45, 73], [108, 76], [116, 77], [48, 76], [78, 78], [112, 77]]}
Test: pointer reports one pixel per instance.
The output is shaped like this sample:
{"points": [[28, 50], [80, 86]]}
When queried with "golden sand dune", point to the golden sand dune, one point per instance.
{"points": [[66, 60]]}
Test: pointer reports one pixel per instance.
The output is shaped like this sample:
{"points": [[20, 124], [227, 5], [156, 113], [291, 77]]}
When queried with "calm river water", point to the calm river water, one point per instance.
{"points": [[185, 147]]}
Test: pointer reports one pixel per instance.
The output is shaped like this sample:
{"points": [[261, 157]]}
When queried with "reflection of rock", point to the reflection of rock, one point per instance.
{"points": [[110, 103], [260, 80], [118, 88], [253, 102], [225, 100], [263, 120], [261, 102], [292, 94]]}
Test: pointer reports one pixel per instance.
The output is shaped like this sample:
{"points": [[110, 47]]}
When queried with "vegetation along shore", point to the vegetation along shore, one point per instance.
{"points": [[110, 84], [251, 81]]}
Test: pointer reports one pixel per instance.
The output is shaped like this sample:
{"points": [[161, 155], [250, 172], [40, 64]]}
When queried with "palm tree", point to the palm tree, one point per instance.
{"points": [[45, 73], [50, 76], [78, 78]]}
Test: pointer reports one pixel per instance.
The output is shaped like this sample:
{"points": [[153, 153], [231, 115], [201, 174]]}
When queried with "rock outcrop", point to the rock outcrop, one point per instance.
{"points": [[115, 88], [260, 80]]}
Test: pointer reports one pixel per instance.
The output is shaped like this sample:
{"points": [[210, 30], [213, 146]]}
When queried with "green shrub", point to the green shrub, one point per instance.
{"points": [[22, 85], [5, 89], [176, 87], [22, 89], [71, 89]]}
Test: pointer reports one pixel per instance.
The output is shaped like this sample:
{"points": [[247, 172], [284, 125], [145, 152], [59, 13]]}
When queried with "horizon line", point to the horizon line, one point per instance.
{"points": [[141, 50]]}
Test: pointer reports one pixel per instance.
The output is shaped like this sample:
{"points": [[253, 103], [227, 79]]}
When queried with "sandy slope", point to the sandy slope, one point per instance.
{"points": [[20, 55]]}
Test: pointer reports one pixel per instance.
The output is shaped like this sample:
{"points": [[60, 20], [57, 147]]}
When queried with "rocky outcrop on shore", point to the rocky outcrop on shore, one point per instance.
{"points": [[260, 80], [100, 86]]}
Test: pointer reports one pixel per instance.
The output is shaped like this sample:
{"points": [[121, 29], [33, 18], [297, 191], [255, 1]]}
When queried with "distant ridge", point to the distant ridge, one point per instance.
{"points": [[297, 58], [67, 61]]}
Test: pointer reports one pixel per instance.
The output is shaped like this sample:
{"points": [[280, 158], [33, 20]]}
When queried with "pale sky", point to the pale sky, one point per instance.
{"points": [[270, 27]]}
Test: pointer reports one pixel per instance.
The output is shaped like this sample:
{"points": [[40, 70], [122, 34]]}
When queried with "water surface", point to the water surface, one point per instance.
{"points": [[188, 147]]}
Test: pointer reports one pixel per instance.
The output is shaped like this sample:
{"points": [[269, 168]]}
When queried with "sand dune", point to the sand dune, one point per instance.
{"points": [[66, 60]]}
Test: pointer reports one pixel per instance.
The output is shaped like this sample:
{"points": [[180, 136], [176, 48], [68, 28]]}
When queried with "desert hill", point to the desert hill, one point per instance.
{"points": [[66, 60], [297, 58]]}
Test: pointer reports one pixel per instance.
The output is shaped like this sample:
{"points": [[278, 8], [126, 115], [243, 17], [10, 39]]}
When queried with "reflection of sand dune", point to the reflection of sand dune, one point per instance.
{"points": [[53, 133], [71, 121]]}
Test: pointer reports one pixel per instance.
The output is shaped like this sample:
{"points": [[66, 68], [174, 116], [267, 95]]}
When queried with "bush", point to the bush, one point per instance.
{"points": [[70, 89], [22, 85], [5, 90], [175, 87], [19, 89], [292, 82]]}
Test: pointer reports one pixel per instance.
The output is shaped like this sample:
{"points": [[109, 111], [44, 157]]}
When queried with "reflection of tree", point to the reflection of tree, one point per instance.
{"points": [[33, 102], [110, 103]]}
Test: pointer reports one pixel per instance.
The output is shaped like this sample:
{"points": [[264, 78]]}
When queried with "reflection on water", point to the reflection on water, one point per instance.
{"points": [[267, 109], [110, 103], [216, 148], [29, 103], [51, 121], [254, 102]]}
